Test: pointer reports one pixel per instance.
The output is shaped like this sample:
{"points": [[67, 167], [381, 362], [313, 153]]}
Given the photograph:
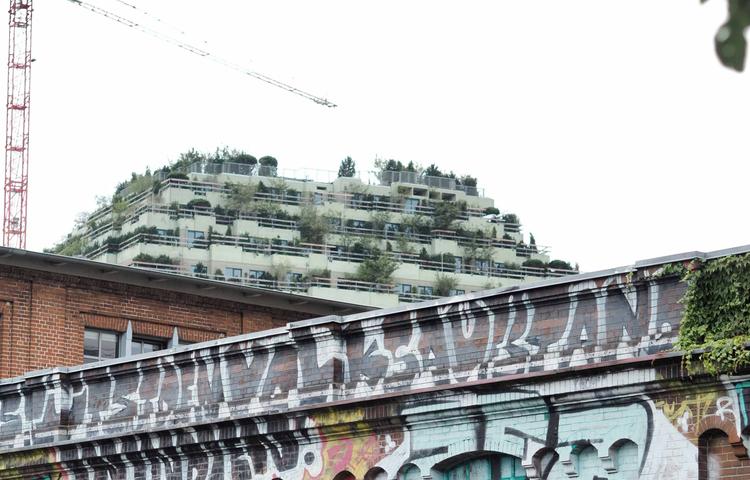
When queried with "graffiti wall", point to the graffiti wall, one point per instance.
{"points": [[548, 382]]}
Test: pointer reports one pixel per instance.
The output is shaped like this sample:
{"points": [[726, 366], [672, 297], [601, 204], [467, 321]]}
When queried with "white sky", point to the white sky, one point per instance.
{"points": [[609, 127]]}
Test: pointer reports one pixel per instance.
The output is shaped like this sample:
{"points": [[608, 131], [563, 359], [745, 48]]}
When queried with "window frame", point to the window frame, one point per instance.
{"points": [[99, 332], [147, 340], [193, 239]]}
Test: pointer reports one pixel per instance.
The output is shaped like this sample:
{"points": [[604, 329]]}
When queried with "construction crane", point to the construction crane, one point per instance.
{"points": [[17, 123], [201, 52], [19, 94]]}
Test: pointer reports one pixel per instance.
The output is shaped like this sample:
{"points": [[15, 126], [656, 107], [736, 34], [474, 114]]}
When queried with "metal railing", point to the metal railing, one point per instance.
{"points": [[270, 222], [257, 170], [388, 177], [333, 253], [353, 200], [287, 285]]}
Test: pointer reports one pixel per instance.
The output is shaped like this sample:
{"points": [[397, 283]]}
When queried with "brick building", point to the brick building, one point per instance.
{"points": [[570, 378], [58, 311]]}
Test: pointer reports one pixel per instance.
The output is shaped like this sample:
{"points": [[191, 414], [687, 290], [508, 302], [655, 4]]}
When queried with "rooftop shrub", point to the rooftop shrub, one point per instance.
{"points": [[444, 284], [560, 264]]}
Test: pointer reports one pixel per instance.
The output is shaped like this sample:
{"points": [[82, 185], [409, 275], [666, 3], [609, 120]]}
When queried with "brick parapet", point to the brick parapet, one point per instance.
{"points": [[554, 328]]}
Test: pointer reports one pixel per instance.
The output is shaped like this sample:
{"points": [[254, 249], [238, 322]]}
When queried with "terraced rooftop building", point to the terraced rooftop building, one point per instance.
{"points": [[405, 237]]}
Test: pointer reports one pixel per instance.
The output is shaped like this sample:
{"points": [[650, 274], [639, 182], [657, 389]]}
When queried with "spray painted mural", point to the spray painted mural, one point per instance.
{"points": [[505, 386]]}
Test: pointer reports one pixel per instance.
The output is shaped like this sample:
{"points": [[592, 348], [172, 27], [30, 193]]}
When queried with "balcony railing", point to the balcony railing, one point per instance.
{"points": [[294, 286], [268, 222], [264, 247], [353, 200], [389, 177]]}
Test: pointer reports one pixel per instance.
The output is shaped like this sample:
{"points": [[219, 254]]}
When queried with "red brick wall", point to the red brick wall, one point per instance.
{"points": [[44, 316], [717, 458]]}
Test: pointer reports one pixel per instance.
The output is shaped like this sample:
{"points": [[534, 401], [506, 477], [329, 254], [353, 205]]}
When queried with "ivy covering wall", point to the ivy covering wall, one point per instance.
{"points": [[716, 317]]}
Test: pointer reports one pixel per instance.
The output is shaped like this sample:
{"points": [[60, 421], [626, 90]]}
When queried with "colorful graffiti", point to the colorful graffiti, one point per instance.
{"points": [[508, 385]]}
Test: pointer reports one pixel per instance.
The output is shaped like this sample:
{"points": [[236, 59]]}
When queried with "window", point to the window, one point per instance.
{"points": [[195, 238], [358, 200], [483, 265], [456, 291], [405, 289], [255, 274], [143, 345], [358, 223], [232, 273], [459, 263], [293, 277], [318, 198], [99, 345], [199, 270], [424, 290], [410, 205]]}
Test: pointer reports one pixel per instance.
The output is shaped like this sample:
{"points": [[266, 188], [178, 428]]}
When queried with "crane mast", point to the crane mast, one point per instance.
{"points": [[17, 123]]}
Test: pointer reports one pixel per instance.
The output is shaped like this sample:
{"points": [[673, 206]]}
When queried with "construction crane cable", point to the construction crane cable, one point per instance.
{"points": [[150, 15], [200, 52]]}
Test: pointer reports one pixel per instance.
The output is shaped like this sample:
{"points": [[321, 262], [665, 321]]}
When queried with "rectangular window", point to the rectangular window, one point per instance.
{"points": [[293, 277], [232, 272], [455, 291], [99, 345], [318, 198], [195, 238], [424, 290], [459, 263], [145, 345], [255, 274], [410, 205], [358, 200], [358, 223], [405, 289]]}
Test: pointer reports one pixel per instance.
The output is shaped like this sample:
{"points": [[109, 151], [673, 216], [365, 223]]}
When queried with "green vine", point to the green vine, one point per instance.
{"points": [[671, 269], [716, 318]]}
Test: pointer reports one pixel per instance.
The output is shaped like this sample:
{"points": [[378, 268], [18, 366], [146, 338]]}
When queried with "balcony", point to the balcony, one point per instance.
{"points": [[388, 177]]}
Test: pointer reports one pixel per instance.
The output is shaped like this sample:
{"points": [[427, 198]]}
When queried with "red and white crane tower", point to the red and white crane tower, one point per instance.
{"points": [[17, 123]]}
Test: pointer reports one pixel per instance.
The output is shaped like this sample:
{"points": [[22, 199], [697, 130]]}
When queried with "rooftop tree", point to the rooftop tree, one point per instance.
{"points": [[347, 168]]}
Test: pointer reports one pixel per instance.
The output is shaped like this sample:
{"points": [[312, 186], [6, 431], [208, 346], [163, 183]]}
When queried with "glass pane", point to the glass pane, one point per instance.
{"points": [[108, 345], [90, 344], [149, 347], [135, 347]]}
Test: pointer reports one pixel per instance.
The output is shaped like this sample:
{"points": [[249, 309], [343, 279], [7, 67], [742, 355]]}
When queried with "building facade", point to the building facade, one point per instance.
{"points": [[572, 378], [244, 224], [57, 311]]}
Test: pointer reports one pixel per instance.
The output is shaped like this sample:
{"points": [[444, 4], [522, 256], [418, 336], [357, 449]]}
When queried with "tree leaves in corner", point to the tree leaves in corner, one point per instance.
{"points": [[730, 42]]}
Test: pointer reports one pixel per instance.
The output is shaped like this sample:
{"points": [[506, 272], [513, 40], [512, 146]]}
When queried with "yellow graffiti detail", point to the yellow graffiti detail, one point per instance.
{"points": [[12, 464], [24, 459], [337, 418], [348, 443], [695, 407]]}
